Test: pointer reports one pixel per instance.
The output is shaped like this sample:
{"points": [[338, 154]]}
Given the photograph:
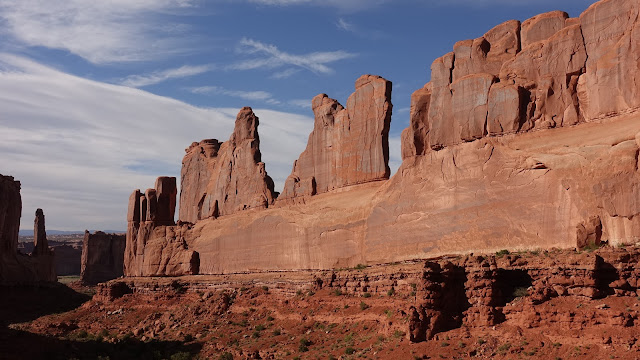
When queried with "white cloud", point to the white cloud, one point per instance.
{"points": [[164, 75], [285, 74], [272, 57], [246, 95], [301, 103], [98, 31], [80, 147], [342, 24]]}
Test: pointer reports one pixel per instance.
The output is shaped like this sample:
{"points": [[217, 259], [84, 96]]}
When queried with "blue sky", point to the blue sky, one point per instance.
{"points": [[99, 98]]}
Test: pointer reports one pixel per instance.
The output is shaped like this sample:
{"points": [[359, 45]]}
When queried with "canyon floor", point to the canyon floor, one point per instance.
{"points": [[284, 316]]}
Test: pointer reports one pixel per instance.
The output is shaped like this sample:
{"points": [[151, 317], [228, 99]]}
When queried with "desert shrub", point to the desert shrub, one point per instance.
{"points": [[366, 295], [360, 267], [502, 252], [183, 355], [349, 350], [391, 292], [363, 306], [277, 332], [520, 292], [226, 356]]}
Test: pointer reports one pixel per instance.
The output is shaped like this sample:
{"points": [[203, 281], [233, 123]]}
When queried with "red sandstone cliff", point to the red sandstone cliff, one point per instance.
{"points": [[477, 174], [347, 146], [550, 71], [102, 257], [153, 246], [223, 178], [17, 268]]}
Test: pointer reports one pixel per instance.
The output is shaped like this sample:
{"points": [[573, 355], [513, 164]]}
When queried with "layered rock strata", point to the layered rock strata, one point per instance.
{"points": [[550, 71], [102, 257], [15, 267], [153, 245], [223, 178], [347, 146], [451, 292], [477, 175]]}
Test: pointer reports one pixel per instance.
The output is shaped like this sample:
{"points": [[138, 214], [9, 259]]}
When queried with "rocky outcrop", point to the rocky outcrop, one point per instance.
{"points": [[611, 32], [102, 257], [477, 175], [223, 178], [15, 267], [347, 146], [153, 246], [550, 71]]}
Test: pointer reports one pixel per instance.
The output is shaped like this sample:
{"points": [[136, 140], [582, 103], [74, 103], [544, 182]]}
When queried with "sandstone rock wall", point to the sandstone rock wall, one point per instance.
{"points": [[153, 246], [347, 146], [102, 257], [461, 188], [550, 71], [17, 268], [223, 178]]}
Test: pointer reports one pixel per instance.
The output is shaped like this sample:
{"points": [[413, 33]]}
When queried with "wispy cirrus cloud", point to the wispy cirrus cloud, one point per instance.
{"points": [[259, 95], [342, 24], [345, 25], [157, 77], [285, 74], [271, 57], [98, 31]]}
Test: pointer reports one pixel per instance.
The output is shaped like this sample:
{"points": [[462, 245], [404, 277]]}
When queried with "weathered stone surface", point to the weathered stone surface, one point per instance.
{"points": [[347, 146], [487, 53], [611, 30], [506, 107], [549, 70], [15, 267], [223, 178], [520, 192], [469, 102], [102, 256], [153, 247], [414, 137], [543, 26]]}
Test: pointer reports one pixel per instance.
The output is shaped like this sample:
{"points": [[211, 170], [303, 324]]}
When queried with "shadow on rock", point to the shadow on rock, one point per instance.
{"points": [[26, 303], [24, 345]]}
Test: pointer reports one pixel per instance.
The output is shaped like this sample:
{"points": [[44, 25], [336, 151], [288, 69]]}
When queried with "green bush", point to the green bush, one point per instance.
{"points": [[226, 356], [502, 253], [349, 351], [363, 306]]}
